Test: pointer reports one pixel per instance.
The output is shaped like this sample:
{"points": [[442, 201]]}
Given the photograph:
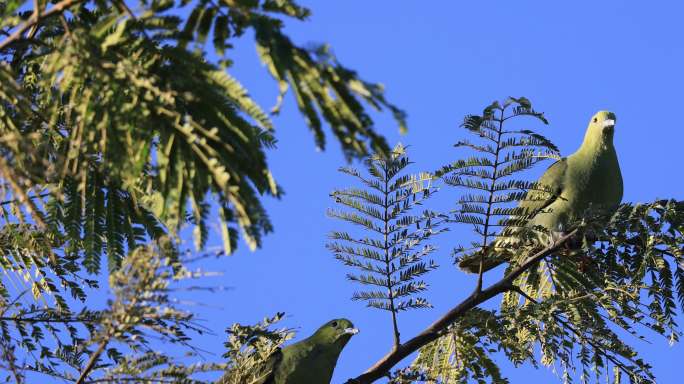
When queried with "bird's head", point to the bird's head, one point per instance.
{"points": [[601, 127], [337, 331]]}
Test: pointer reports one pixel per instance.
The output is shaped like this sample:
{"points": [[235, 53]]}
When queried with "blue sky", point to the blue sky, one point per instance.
{"points": [[439, 61]]}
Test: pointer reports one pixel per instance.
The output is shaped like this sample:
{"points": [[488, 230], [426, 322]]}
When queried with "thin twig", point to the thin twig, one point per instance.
{"points": [[40, 196], [490, 204], [36, 15], [34, 320], [93, 359], [8, 356], [65, 25], [7, 172], [35, 19], [390, 292]]}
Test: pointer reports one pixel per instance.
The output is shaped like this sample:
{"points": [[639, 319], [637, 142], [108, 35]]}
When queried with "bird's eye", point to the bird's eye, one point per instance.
{"points": [[595, 119], [334, 323]]}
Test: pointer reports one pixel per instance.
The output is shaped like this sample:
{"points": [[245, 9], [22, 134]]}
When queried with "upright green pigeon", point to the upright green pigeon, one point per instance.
{"points": [[590, 177], [310, 361]]}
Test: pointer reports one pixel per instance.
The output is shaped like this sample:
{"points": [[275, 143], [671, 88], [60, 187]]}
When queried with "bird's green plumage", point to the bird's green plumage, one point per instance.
{"points": [[311, 360], [590, 177]]}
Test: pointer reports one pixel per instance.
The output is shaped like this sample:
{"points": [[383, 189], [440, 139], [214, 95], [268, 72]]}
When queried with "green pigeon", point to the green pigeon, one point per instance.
{"points": [[590, 177], [310, 361]]}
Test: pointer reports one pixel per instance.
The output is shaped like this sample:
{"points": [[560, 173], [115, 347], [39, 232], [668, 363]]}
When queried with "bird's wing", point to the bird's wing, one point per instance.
{"points": [[552, 183], [263, 374]]}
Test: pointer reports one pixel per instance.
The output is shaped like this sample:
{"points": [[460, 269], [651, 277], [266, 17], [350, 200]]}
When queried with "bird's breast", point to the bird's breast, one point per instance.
{"points": [[593, 181]]}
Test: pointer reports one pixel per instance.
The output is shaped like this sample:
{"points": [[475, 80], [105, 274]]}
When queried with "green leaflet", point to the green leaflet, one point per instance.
{"points": [[390, 259]]}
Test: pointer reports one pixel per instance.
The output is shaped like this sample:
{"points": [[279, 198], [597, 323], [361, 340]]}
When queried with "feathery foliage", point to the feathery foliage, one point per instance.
{"points": [[391, 258], [111, 344], [492, 175], [624, 282], [113, 118], [463, 353], [251, 350]]}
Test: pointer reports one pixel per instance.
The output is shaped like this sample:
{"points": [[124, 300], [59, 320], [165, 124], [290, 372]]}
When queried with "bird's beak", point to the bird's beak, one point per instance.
{"points": [[610, 123], [351, 331]]}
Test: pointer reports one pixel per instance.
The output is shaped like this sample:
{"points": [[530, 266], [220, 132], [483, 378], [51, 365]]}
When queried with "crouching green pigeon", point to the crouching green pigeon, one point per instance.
{"points": [[590, 177], [310, 361]]}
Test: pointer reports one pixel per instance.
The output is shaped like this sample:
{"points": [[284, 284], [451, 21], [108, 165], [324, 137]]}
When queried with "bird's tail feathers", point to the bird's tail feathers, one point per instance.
{"points": [[495, 256], [500, 251]]}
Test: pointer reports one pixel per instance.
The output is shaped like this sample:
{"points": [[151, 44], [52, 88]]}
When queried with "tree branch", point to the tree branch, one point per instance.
{"points": [[36, 18], [436, 329], [93, 359], [41, 320], [8, 356]]}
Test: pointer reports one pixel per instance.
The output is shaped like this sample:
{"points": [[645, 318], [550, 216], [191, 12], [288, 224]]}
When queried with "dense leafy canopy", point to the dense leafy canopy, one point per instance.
{"points": [[121, 111], [120, 124]]}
